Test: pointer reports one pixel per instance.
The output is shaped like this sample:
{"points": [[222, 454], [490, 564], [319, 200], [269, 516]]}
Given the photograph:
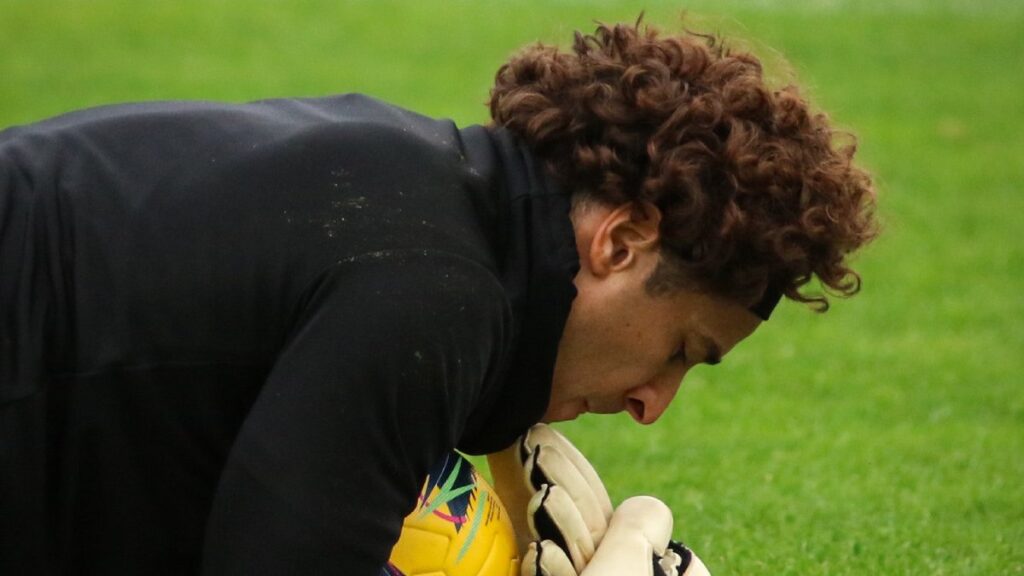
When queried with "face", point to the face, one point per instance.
{"points": [[622, 348]]}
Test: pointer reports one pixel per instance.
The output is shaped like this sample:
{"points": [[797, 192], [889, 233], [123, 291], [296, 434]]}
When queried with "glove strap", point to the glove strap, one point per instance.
{"points": [[674, 562]]}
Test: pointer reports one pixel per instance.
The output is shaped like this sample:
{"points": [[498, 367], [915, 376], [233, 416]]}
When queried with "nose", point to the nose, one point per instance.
{"points": [[647, 402]]}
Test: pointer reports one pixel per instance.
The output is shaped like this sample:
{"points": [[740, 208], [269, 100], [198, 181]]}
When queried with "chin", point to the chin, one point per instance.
{"points": [[552, 417], [564, 412]]}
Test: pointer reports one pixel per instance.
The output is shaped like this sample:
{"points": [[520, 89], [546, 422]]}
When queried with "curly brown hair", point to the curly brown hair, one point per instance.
{"points": [[755, 190]]}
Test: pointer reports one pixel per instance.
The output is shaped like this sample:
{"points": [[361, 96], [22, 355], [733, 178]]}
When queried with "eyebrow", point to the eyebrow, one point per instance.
{"points": [[712, 354]]}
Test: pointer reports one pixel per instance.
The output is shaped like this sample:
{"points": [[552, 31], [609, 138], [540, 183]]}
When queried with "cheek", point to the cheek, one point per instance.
{"points": [[639, 354], [584, 376], [605, 358], [618, 375], [574, 369]]}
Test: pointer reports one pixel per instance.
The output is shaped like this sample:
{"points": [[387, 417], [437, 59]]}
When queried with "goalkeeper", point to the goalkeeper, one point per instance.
{"points": [[234, 338]]}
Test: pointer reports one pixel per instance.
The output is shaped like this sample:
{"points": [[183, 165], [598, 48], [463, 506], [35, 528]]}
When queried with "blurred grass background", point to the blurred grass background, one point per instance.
{"points": [[886, 436]]}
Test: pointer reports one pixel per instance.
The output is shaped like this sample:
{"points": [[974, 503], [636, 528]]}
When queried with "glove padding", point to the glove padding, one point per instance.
{"points": [[552, 492], [636, 543], [570, 505]]}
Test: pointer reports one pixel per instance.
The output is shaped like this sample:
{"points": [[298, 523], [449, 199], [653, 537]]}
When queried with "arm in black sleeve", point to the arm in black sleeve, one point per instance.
{"points": [[374, 386]]}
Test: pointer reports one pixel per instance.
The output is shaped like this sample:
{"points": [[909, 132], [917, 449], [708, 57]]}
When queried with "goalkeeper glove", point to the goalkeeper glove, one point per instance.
{"points": [[636, 543], [554, 494]]}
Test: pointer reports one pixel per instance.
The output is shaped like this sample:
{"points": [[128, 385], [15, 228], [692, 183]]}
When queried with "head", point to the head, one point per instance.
{"points": [[698, 190]]}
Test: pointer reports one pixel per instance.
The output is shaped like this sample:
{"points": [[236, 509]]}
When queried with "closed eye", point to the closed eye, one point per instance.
{"points": [[714, 353]]}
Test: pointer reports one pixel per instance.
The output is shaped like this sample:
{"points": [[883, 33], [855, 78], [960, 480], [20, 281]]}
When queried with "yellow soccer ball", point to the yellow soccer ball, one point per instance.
{"points": [[459, 527]]}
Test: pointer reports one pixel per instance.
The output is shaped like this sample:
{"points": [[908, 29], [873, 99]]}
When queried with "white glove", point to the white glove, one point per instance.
{"points": [[555, 496], [636, 543], [570, 505], [552, 491]]}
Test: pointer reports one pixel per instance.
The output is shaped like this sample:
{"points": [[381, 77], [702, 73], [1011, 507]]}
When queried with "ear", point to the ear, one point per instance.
{"points": [[623, 235]]}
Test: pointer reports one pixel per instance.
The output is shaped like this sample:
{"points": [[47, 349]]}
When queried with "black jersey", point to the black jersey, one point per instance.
{"points": [[234, 338]]}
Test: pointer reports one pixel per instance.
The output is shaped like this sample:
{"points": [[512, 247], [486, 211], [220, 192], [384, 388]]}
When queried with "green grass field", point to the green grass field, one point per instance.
{"points": [[884, 437]]}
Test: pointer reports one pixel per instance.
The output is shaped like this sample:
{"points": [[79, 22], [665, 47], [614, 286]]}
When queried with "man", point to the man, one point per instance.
{"points": [[235, 337]]}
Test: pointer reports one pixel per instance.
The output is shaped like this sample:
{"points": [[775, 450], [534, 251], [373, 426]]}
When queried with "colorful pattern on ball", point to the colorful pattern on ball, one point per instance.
{"points": [[459, 527]]}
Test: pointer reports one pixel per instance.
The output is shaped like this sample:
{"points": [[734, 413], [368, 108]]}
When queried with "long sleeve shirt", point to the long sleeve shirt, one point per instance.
{"points": [[234, 338]]}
